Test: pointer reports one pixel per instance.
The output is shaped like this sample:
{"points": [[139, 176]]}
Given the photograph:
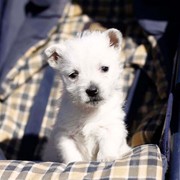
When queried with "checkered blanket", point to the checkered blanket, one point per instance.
{"points": [[144, 162], [26, 117]]}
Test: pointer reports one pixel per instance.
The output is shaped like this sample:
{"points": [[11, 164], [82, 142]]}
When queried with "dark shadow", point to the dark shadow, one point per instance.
{"points": [[29, 148]]}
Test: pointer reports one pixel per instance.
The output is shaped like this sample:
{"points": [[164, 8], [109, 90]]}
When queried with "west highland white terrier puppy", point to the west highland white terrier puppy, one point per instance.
{"points": [[90, 125]]}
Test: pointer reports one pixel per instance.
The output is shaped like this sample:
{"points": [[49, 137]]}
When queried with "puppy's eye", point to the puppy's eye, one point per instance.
{"points": [[104, 68], [74, 74]]}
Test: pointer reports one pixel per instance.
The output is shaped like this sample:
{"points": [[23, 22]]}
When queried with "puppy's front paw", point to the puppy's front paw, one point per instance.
{"points": [[106, 157]]}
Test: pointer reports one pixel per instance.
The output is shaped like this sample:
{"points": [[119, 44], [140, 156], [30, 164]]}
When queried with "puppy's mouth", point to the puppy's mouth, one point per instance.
{"points": [[94, 100]]}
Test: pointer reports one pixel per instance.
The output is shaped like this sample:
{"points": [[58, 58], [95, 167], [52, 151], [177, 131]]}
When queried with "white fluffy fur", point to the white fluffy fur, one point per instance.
{"points": [[87, 130]]}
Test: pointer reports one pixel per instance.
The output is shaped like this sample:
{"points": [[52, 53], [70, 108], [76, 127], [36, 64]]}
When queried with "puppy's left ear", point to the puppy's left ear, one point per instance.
{"points": [[54, 54], [115, 38]]}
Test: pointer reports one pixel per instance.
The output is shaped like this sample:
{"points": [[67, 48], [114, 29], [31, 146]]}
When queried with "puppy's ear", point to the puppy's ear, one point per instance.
{"points": [[115, 38], [54, 54]]}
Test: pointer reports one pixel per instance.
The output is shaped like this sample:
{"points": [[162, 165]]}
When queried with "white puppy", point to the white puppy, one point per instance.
{"points": [[90, 124]]}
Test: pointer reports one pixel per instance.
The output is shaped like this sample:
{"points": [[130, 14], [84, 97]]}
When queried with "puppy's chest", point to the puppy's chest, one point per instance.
{"points": [[86, 134], [86, 139]]}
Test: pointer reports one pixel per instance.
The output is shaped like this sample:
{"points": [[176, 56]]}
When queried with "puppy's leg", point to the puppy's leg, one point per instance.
{"points": [[112, 144], [61, 149], [69, 150]]}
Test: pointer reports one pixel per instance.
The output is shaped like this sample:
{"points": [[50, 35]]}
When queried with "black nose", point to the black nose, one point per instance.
{"points": [[92, 91]]}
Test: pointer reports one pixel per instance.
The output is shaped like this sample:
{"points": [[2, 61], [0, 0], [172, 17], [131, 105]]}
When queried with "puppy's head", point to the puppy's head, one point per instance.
{"points": [[89, 65]]}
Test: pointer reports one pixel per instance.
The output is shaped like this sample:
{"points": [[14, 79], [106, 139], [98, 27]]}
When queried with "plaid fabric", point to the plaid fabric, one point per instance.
{"points": [[144, 162], [148, 123], [25, 81]]}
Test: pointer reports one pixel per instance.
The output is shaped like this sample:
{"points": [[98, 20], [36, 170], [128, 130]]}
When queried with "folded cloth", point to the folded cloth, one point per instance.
{"points": [[143, 162]]}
